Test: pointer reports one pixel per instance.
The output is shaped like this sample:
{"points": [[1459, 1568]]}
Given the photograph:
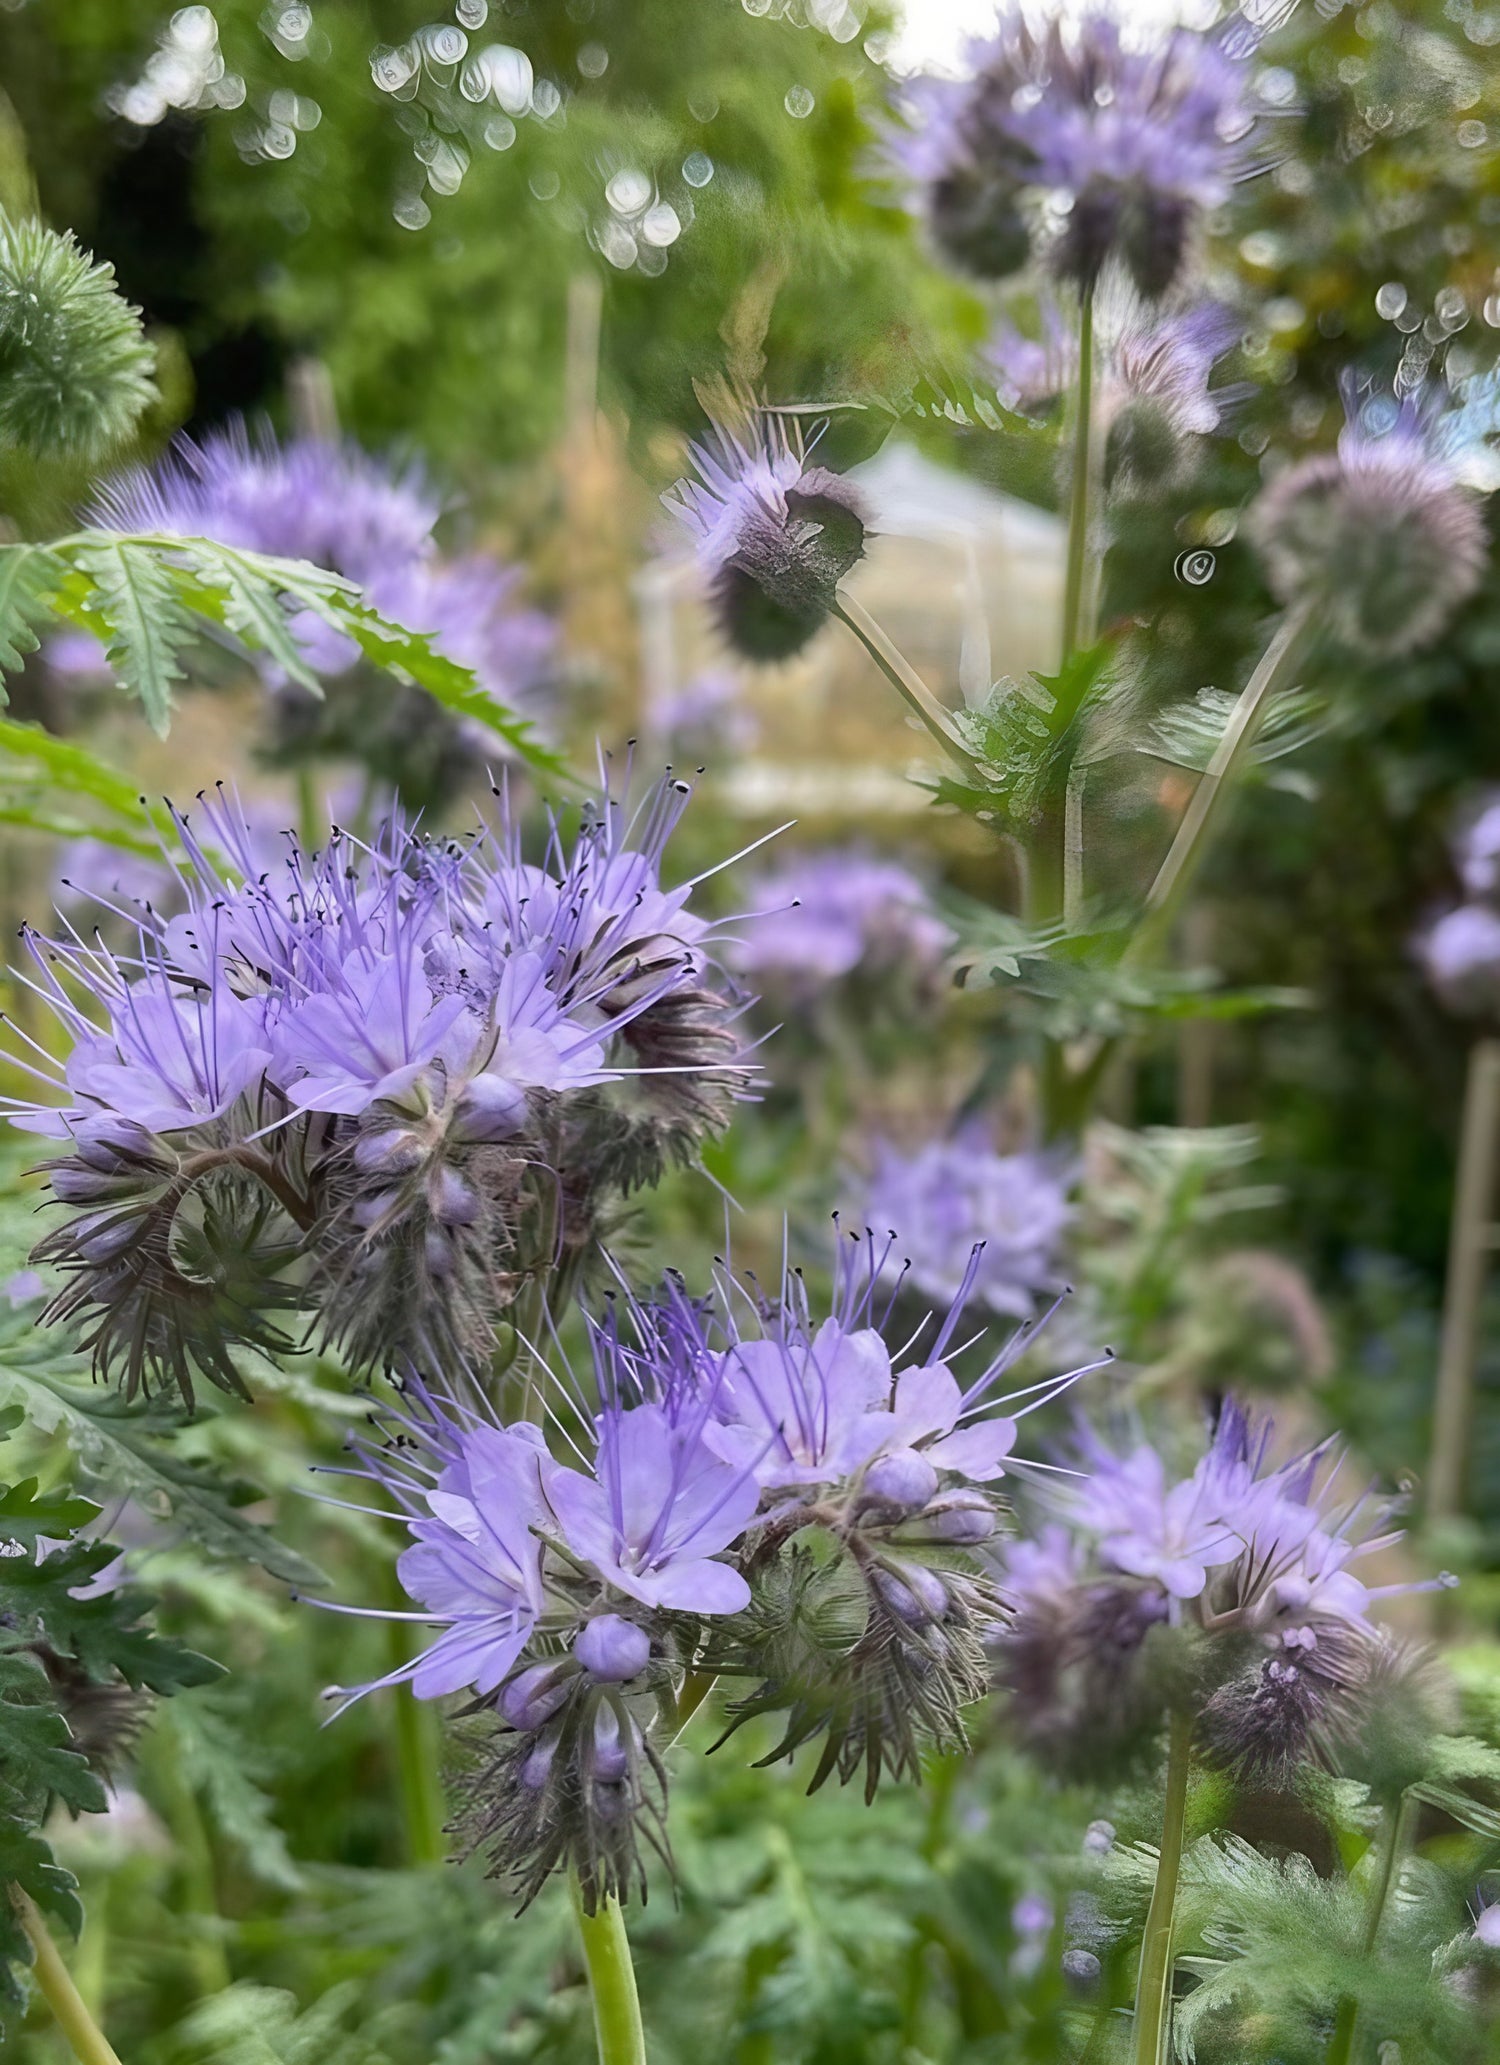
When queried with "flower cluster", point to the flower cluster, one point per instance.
{"points": [[337, 507], [1231, 1590], [1154, 396], [1073, 136], [954, 1196], [773, 535], [1383, 539], [388, 1086], [744, 1491], [1460, 951], [825, 915]]}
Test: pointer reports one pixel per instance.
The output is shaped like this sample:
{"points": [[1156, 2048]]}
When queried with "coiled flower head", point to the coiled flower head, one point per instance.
{"points": [[1075, 137], [773, 535], [1249, 1565], [417, 1068]]}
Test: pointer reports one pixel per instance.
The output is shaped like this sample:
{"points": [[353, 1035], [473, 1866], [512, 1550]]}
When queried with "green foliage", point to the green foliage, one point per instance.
{"points": [[59, 1636], [1028, 734], [48, 784], [130, 1448], [75, 370], [260, 2025], [153, 597]]}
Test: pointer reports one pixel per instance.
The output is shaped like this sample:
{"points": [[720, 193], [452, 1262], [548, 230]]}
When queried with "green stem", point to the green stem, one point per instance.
{"points": [[423, 1807], [1076, 577], [1200, 819], [1346, 2024], [606, 1957], [309, 816], [907, 682], [1153, 1994], [1470, 1249], [943, 1786], [90, 2045]]}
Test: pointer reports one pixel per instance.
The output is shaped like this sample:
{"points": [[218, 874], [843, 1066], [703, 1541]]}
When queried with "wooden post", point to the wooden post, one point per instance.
{"points": [[1468, 1257]]}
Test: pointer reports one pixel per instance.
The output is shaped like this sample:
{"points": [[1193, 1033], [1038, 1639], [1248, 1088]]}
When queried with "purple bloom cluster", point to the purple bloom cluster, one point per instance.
{"points": [[1460, 951], [1383, 538], [953, 1196], [825, 915], [773, 535], [717, 1437], [1085, 138], [337, 507], [420, 1064], [1153, 376], [1258, 1559]]}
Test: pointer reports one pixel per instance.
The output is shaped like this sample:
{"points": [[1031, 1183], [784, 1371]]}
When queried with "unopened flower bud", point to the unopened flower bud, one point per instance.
{"points": [[451, 1198], [389, 1152], [976, 217], [962, 1518], [104, 1236], [537, 1768], [489, 1108], [901, 1477], [530, 1699], [610, 1759], [916, 1595], [612, 1648]]}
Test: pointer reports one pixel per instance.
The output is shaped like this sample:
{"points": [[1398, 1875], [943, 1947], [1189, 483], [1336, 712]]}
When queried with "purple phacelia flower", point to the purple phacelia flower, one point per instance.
{"points": [[1082, 138], [1460, 953], [1477, 852], [799, 1402], [398, 1043], [954, 1196], [337, 507], [773, 535], [1154, 393], [1382, 540], [824, 915], [657, 1510]]}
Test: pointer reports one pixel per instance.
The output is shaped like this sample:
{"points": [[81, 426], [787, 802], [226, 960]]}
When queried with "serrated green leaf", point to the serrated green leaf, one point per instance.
{"points": [[28, 575], [125, 1447], [37, 1759], [137, 602], [411, 654], [251, 587]]}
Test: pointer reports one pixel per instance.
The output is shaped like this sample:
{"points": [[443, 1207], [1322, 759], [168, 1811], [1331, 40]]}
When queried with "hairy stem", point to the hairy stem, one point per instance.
{"points": [[1153, 1993], [1201, 818], [89, 2043], [611, 1975], [242, 1156], [1076, 577], [907, 682], [1346, 2024]]}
